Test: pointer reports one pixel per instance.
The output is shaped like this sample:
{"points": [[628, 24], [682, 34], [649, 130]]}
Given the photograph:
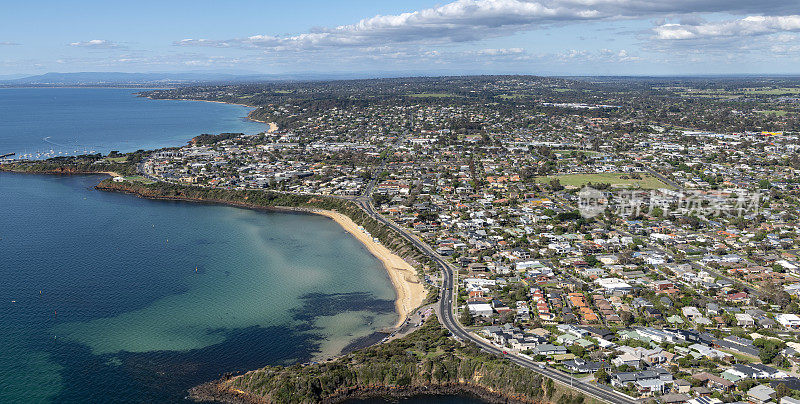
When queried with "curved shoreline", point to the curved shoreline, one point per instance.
{"points": [[410, 293], [273, 127]]}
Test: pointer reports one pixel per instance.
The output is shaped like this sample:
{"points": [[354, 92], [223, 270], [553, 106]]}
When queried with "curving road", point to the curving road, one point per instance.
{"points": [[445, 311], [600, 392]]}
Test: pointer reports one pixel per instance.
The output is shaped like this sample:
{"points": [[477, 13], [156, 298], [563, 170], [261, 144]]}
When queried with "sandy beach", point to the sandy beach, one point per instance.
{"points": [[111, 173], [273, 127], [410, 291]]}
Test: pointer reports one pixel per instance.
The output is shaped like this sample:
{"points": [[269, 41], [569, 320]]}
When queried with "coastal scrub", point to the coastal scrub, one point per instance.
{"points": [[426, 361]]}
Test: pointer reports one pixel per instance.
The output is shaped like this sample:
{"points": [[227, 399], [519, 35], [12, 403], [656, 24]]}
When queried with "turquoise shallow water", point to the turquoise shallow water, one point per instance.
{"points": [[110, 298]]}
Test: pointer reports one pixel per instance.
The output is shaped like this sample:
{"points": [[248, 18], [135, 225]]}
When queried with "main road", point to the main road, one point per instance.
{"points": [[600, 392], [364, 201]]}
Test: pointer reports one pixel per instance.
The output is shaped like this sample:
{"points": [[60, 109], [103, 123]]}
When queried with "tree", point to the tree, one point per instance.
{"points": [[577, 350], [781, 390], [601, 376], [769, 349], [555, 185], [521, 294], [626, 317], [466, 317], [747, 384]]}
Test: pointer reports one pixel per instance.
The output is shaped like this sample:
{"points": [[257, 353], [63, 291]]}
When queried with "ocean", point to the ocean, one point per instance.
{"points": [[110, 298], [45, 122]]}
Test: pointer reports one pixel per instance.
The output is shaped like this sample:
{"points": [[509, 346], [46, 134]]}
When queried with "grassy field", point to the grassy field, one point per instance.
{"points": [[776, 112], [431, 95], [615, 179], [511, 96], [771, 91], [741, 357], [714, 92], [139, 178]]}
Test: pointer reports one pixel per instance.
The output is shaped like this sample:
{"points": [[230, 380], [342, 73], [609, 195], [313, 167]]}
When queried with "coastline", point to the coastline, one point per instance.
{"points": [[113, 174], [426, 362], [410, 291], [218, 392], [273, 127]]}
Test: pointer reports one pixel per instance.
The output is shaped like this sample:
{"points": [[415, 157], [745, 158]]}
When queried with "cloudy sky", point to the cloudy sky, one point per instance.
{"points": [[564, 37]]}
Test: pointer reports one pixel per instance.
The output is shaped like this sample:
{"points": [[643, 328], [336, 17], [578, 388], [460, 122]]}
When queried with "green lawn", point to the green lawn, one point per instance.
{"points": [[139, 178], [615, 179], [776, 112], [743, 91], [741, 357], [511, 96], [772, 91], [431, 95], [586, 152]]}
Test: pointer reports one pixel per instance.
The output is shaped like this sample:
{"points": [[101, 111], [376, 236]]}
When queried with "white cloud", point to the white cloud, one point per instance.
{"points": [[745, 27], [95, 43], [8, 43], [472, 20], [463, 20], [500, 52]]}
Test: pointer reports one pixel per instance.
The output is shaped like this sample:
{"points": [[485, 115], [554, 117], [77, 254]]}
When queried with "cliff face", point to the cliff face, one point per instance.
{"points": [[83, 164], [426, 361], [219, 393], [46, 169]]}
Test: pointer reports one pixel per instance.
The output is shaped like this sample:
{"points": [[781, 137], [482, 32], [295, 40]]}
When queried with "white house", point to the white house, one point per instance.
{"points": [[613, 285], [480, 309], [744, 320], [788, 320]]}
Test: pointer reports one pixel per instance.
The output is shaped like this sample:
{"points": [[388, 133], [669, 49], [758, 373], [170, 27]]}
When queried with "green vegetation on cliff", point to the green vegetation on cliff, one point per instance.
{"points": [[427, 358], [123, 164]]}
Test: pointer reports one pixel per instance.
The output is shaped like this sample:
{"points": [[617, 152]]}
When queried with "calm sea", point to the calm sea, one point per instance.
{"points": [[74, 121], [110, 298]]}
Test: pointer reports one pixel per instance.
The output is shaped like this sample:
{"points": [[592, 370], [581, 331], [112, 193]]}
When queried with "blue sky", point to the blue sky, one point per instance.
{"points": [[566, 37]]}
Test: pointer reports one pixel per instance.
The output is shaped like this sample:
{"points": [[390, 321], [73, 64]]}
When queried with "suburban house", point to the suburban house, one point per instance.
{"points": [[714, 382], [579, 365], [788, 320], [646, 381], [760, 394]]}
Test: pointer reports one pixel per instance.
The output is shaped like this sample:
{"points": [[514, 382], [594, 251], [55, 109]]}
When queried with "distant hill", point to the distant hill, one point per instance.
{"points": [[118, 78], [166, 79]]}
